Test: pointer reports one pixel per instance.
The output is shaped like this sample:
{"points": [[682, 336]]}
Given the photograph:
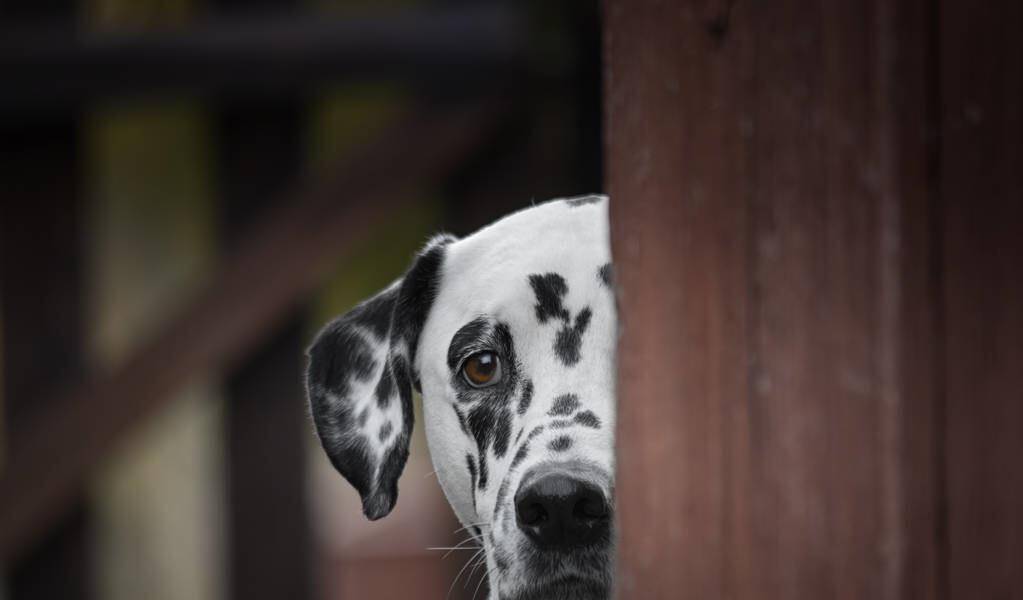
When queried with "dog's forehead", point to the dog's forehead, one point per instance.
{"points": [[493, 265], [488, 273]]}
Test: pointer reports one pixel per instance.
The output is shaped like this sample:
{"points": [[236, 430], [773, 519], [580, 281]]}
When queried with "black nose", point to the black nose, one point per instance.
{"points": [[560, 511]]}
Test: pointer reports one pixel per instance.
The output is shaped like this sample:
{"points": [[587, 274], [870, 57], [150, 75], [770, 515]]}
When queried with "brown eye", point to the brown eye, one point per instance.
{"points": [[482, 369]]}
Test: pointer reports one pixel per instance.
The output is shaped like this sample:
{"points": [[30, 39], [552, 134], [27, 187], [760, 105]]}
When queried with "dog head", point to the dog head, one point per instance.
{"points": [[509, 334]]}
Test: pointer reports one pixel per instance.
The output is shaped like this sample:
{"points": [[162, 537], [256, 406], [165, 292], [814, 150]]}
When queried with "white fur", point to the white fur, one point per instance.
{"points": [[487, 274]]}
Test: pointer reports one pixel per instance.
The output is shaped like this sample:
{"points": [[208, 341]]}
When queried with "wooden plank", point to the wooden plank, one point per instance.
{"points": [[981, 185], [270, 546], [768, 168], [41, 276], [679, 262], [282, 258], [266, 426]]}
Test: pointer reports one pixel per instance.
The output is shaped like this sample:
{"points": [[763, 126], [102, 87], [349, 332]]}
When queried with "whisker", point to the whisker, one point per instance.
{"points": [[478, 585], [454, 548], [480, 562], [459, 546], [467, 563]]}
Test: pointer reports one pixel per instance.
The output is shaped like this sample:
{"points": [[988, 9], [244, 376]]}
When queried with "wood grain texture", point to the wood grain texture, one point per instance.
{"points": [[981, 170], [772, 227]]}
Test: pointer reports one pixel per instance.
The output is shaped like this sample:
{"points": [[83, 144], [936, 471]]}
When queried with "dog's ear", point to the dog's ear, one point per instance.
{"points": [[360, 379]]}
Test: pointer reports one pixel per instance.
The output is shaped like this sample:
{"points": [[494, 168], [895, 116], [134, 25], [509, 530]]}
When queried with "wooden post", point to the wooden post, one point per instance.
{"points": [[269, 543], [813, 249], [981, 193], [42, 327], [42, 315]]}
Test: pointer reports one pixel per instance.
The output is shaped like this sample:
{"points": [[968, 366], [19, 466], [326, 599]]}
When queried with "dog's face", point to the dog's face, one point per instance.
{"points": [[510, 335]]}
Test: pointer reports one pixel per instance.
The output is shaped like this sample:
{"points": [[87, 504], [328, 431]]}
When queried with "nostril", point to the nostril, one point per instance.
{"points": [[532, 514], [591, 507]]}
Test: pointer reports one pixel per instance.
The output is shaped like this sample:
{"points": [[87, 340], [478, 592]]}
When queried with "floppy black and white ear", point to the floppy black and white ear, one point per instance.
{"points": [[360, 379]]}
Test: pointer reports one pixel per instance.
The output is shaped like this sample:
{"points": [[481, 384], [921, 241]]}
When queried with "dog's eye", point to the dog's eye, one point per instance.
{"points": [[482, 369]]}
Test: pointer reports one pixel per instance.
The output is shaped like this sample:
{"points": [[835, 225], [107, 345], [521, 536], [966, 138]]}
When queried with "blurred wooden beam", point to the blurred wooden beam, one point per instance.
{"points": [[281, 260], [265, 53]]}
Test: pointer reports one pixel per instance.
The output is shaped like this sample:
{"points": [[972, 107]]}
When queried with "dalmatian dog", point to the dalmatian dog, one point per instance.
{"points": [[509, 335]]}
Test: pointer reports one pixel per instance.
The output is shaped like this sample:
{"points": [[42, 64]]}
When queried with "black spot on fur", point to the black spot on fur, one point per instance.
{"points": [[471, 463], [338, 355], [375, 315], [482, 422], [363, 417], [418, 291], [394, 461], [606, 275], [467, 336], [483, 473], [520, 455], [564, 404], [526, 398], [518, 436], [502, 433], [549, 289], [569, 339], [386, 495], [385, 431], [561, 424], [385, 388], [536, 431], [560, 444], [588, 419], [578, 201]]}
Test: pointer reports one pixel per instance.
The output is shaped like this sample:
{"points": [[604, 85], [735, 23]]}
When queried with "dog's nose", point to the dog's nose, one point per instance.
{"points": [[558, 510]]}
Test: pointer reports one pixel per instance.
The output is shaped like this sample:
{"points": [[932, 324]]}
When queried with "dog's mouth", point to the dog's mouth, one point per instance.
{"points": [[572, 587], [574, 576]]}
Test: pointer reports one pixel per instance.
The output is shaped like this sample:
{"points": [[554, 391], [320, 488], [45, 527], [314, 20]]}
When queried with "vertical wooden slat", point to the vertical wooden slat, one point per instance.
{"points": [[41, 272], [982, 198], [676, 171], [269, 545], [771, 232], [42, 328], [269, 540]]}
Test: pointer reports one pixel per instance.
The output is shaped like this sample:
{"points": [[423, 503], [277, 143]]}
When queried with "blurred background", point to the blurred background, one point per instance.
{"points": [[190, 189]]}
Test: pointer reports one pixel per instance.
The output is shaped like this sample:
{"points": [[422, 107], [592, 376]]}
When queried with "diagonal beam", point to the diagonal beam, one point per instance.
{"points": [[55, 448]]}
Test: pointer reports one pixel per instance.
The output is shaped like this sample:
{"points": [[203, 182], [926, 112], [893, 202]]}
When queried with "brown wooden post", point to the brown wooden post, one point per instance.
{"points": [[981, 168], [815, 221]]}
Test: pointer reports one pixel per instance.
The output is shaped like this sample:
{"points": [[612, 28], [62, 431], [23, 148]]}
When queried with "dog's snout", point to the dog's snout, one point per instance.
{"points": [[558, 510]]}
